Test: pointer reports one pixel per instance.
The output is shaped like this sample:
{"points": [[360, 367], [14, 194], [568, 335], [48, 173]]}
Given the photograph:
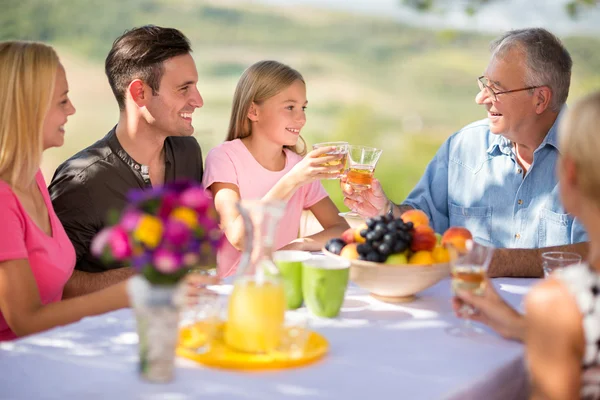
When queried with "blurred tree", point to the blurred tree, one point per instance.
{"points": [[573, 7]]}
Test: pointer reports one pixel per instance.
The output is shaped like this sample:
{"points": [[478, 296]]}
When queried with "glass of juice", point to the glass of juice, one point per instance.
{"points": [[360, 170], [255, 316], [341, 149], [468, 270]]}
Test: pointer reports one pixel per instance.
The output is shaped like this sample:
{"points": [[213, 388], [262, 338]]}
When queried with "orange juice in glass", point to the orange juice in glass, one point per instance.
{"points": [[359, 173], [255, 315], [360, 176]]}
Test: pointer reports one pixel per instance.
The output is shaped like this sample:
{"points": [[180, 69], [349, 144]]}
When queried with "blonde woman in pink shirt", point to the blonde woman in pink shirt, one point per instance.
{"points": [[264, 157], [36, 256]]}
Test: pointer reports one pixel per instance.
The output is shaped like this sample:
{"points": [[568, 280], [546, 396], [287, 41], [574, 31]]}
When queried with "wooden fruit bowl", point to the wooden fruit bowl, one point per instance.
{"points": [[394, 283]]}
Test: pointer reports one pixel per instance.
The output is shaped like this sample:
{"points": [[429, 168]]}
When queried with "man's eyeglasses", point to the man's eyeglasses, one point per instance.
{"points": [[483, 84]]}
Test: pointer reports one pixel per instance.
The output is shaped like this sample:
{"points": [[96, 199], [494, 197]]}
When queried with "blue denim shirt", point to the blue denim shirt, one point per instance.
{"points": [[474, 181]]}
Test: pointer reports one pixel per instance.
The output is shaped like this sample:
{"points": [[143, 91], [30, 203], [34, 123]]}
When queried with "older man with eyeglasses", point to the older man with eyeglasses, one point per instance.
{"points": [[496, 177]]}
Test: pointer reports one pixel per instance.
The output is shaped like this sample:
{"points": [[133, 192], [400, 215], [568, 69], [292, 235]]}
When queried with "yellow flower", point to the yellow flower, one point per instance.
{"points": [[149, 231], [185, 215]]}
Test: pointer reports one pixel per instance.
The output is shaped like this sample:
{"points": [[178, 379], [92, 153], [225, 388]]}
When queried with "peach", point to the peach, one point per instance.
{"points": [[423, 238], [417, 217], [348, 236], [349, 251], [456, 236]]}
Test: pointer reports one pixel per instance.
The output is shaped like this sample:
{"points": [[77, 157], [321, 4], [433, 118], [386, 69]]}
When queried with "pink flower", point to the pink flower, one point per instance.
{"points": [[130, 219], [195, 198], [176, 233], [119, 243], [100, 241], [191, 259], [166, 261], [168, 203]]}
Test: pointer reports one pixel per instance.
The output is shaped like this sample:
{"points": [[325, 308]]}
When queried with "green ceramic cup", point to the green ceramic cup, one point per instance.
{"points": [[324, 283], [289, 263]]}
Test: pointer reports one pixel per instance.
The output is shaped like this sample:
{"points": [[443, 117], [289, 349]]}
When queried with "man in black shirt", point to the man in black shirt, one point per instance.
{"points": [[153, 77]]}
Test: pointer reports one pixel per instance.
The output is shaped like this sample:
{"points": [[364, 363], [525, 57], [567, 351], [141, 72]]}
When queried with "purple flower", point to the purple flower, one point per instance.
{"points": [[176, 233], [140, 261], [119, 243], [166, 261]]}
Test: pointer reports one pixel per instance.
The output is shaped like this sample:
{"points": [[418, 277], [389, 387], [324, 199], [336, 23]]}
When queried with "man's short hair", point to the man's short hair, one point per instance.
{"points": [[548, 61], [139, 54]]}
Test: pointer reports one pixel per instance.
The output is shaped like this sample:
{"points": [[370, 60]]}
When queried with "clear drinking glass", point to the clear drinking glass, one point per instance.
{"points": [[553, 260], [360, 170], [468, 270], [341, 149]]}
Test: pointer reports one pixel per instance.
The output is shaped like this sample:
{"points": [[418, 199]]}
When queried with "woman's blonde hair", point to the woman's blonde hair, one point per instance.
{"points": [[27, 78], [258, 83], [580, 141]]}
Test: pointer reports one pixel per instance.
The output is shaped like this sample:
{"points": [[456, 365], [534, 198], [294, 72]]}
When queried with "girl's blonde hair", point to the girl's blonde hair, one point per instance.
{"points": [[580, 141], [27, 78], [258, 83]]}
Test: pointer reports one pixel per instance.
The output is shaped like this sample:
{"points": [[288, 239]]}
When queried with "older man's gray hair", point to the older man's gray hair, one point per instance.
{"points": [[548, 62]]}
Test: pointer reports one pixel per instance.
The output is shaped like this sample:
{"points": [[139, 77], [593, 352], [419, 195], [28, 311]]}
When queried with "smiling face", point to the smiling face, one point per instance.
{"points": [[170, 110], [60, 109], [281, 117], [513, 111]]}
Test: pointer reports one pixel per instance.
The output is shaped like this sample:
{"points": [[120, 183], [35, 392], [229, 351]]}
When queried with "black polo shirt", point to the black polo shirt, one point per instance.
{"points": [[97, 179]]}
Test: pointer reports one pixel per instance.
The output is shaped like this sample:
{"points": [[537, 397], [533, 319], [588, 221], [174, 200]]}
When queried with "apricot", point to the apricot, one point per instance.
{"points": [[349, 251], [440, 254], [417, 217], [457, 236], [357, 237], [421, 258], [423, 238]]}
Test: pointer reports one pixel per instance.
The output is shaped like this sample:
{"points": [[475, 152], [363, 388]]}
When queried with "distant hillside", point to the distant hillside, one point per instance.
{"points": [[370, 80]]}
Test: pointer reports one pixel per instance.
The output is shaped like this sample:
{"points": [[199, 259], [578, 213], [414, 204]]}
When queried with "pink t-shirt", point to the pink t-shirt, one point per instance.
{"points": [[231, 162], [51, 259]]}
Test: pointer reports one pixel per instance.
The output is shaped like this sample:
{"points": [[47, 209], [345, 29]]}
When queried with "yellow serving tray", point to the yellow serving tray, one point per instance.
{"points": [[221, 356]]}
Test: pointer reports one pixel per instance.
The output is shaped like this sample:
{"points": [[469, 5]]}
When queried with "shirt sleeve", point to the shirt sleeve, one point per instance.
{"points": [[12, 234], [431, 192], [315, 192], [219, 168], [74, 208]]}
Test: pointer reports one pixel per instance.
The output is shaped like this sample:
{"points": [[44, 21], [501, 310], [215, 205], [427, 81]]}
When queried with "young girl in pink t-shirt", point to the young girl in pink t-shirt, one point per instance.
{"points": [[261, 159]]}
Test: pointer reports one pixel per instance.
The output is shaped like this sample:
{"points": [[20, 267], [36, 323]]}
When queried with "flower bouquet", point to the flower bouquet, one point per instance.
{"points": [[163, 233]]}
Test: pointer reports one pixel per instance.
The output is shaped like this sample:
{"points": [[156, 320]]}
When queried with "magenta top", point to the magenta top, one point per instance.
{"points": [[51, 258]]}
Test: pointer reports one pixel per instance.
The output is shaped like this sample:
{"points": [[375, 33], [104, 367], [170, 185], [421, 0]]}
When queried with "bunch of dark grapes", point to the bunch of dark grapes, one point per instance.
{"points": [[384, 236]]}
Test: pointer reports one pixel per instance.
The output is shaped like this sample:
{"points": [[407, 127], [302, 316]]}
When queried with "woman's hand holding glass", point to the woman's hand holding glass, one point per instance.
{"points": [[314, 166], [491, 310]]}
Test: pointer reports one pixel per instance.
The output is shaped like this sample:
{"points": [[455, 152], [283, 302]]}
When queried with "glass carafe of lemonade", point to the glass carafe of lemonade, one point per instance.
{"points": [[257, 303]]}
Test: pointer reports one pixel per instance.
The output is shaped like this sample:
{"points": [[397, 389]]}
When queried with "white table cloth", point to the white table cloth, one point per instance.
{"points": [[377, 351]]}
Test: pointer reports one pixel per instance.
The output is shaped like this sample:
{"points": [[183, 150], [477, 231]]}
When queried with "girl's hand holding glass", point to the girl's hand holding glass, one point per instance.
{"points": [[314, 166]]}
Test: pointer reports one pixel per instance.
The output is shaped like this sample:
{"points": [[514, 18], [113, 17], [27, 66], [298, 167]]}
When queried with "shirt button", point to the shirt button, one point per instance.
{"points": [[520, 171], [136, 166], [520, 202], [517, 236]]}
